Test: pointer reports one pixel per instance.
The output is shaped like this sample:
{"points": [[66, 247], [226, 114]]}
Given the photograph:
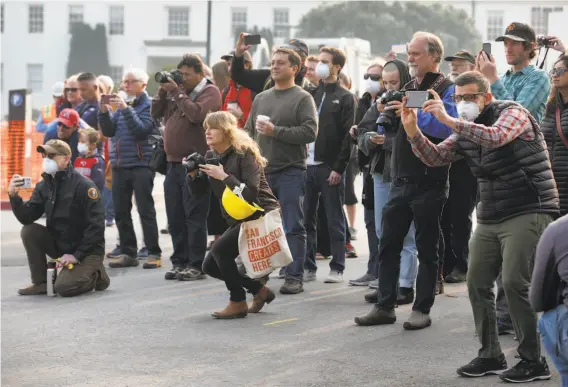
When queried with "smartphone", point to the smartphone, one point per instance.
{"points": [[26, 182], [105, 99], [487, 49], [252, 39], [415, 99]]}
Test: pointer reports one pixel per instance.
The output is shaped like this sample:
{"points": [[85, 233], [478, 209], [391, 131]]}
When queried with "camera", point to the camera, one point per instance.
{"points": [[542, 41], [175, 75], [194, 160], [388, 118]]}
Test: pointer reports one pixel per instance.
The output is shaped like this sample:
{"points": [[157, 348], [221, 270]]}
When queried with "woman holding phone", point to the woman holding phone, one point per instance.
{"points": [[234, 161]]}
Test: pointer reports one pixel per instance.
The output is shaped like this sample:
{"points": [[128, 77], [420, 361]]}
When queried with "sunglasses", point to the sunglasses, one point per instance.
{"points": [[71, 90], [466, 97], [64, 127], [558, 72], [373, 77]]}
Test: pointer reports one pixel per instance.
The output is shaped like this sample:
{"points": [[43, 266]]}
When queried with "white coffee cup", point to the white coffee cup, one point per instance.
{"points": [[261, 118]]}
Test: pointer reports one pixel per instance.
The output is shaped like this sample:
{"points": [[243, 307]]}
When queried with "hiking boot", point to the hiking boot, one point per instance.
{"points": [[233, 310], [103, 281], [374, 284], [376, 317], [153, 262], [456, 276], [173, 272], [481, 366], [405, 296], [505, 327], [417, 320], [365, 280], [33, 290], [372, 297], [527, 371], [124, 261], [334, 277], [264, 296], [143, 253], [292, 286], [191, 274], [309, 276], [350, 251], [115, 253]]}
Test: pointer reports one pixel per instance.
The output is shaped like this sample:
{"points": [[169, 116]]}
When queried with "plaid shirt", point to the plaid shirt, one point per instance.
{"points": [[529, 87], [512, 123]]}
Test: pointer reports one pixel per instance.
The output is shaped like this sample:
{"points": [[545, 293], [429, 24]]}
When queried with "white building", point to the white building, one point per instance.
{"points": [[35, 35]]}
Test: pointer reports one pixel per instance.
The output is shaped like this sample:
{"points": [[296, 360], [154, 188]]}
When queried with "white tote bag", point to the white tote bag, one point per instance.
{"points": [[263, 246]]}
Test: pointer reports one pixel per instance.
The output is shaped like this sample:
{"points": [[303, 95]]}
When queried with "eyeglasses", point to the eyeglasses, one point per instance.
{"points": [[130, 82], [373, 77], [558, 72], [71, 90], [466, 97]]}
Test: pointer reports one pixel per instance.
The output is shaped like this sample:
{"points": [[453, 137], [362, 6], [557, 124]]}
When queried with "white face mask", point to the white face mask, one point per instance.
{"points": [[372, 87], [127, 98], [469, 111], [322, 71], [49, 166], [82, 148]]}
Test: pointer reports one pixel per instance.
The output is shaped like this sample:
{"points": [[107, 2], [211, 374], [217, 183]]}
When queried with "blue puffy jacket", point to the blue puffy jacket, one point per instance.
{"points": [[128, 131]]}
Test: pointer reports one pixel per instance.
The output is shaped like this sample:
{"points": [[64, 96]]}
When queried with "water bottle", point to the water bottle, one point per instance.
{"points": [[51, 277]]}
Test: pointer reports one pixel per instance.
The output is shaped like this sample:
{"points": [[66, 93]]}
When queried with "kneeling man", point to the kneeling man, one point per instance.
{"points": [[74, 230]]}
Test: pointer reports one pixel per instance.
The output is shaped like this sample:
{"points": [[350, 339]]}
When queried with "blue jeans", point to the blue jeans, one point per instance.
{"points": [[553, 328], [409, 261], [317, 188], [289, 187], [109, 205]]}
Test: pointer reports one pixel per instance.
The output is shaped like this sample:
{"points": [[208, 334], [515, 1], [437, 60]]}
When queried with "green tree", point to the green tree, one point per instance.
{"points": [[385, 24], [88, 50]]}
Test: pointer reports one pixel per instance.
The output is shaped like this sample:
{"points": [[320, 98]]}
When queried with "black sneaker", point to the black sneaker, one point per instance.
{"points": [[191, 274], [527, 371], [172, 273], [292, 286], [481, 367]]}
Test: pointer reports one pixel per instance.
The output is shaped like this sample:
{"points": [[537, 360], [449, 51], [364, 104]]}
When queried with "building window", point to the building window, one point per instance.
{"points": [[281, 23], [494, 24], [75, 15], [239, 20], [35, 78], [116, 17], [178, 21], [116, 73], [35, 19], [539, 20]]}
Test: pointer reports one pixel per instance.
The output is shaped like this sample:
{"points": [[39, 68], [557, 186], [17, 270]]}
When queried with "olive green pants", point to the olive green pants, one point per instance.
{"points": [[510, 246], [85, 276]]}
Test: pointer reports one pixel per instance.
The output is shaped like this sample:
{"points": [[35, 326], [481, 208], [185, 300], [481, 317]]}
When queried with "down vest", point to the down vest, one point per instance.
{"points": [[557, 150], [128, 131]]}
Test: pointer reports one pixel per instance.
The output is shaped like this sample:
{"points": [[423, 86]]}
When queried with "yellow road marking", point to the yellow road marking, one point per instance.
{"points": [[280, 321]]}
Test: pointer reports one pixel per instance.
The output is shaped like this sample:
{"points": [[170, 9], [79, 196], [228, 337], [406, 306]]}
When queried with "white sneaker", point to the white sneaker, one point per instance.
{"points": [[334, 277]]}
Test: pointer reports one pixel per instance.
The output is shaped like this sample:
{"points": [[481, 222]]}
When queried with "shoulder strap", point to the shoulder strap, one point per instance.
{"points": [[559, 128], [267, 83]]}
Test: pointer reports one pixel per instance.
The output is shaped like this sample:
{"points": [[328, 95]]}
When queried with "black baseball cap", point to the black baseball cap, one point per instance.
{"points": [[461, 54], [518, 32], [297, 45]]}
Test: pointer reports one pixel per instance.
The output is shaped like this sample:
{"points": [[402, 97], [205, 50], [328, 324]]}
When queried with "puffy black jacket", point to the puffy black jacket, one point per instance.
{"points": [[74, 210], [557, 150], [514, 179], [337, 114]]}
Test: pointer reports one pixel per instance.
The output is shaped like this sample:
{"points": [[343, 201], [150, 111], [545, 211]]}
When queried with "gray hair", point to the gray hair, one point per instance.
{"points": [[138, 74], [435, 47]]}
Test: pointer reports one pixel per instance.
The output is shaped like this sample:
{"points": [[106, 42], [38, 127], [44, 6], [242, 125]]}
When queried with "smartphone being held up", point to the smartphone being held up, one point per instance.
{"points": [[415, 99], [252, 40], [487, 49], [105, 99]]}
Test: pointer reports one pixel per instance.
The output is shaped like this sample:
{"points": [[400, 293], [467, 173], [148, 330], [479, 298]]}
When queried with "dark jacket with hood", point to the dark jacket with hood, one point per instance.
{"points": [[259, 80], [380, 155]]}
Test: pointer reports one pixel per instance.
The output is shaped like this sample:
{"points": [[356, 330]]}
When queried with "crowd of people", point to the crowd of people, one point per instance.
{"points": [[291, 139]]}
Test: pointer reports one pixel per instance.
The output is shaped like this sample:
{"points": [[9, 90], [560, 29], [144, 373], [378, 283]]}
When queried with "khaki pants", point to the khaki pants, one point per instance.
{"points": [[508, 246], [84, 276]]}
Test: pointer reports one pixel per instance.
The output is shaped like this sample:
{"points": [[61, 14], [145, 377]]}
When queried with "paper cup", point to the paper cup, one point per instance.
{"points": [[233, 106], [261, 118]]}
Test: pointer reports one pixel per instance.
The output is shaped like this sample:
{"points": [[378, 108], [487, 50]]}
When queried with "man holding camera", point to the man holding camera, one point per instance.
{"points": [[184, 99], [75, 227], [283, 121], [128, 129], [418, 194], [505, 149]]}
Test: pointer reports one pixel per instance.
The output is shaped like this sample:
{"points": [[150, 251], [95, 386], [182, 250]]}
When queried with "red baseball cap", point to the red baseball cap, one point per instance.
{"points": [[69, 117]]}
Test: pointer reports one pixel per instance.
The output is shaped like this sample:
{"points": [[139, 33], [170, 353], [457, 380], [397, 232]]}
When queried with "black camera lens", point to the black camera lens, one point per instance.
{"points": [[161, 77]]}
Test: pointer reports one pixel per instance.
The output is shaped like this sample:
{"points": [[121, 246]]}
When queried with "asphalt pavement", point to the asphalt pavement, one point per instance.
{"points": [[145, 331]]}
